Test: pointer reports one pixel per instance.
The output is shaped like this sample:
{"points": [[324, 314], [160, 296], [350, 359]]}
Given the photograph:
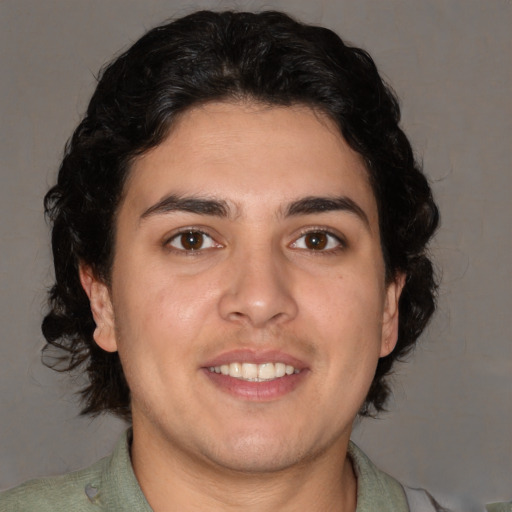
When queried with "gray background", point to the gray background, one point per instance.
{"points": [[449, 428]]}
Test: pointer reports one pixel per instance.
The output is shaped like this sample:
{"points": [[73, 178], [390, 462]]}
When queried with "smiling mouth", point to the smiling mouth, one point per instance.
{"points": [[252, 372]]}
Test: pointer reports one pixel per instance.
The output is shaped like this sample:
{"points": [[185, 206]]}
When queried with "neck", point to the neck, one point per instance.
{"points": [[173, 479]]}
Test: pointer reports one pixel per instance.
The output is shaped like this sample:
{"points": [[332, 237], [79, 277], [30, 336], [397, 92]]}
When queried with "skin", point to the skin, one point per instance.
{"points": [[257, 285]]}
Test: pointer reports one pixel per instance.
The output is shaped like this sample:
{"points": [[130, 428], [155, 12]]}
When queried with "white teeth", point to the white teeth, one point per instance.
{"points": [[249, 371], [266, 371], [280, 369], [235, 370], [255, 372]]}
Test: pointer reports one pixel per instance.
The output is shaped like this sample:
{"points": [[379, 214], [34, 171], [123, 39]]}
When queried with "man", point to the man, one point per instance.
{"points": [[239, 238]]}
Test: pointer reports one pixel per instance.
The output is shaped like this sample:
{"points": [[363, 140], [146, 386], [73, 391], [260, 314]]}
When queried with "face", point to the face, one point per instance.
{"points": [[248, 300]]}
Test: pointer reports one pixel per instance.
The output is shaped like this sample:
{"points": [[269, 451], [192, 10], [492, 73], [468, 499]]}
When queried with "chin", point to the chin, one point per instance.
{"points": [[255, 453], [256, 461]]}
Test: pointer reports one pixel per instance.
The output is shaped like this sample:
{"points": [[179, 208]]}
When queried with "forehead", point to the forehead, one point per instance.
{"points": [[251, 154]]}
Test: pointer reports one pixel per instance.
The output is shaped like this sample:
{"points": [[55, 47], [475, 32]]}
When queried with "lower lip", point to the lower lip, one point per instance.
{"points": [[256, 391]]}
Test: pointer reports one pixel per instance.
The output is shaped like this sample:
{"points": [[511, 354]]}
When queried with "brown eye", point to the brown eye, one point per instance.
{"points": [[316, 241], [192, 241]]}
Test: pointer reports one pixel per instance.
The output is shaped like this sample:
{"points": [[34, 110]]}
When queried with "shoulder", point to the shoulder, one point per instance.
{"points": [[109, 484], [71, 492]]}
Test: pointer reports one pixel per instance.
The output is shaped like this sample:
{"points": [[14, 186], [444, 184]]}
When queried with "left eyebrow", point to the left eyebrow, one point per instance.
{"points": [[312, 205], [197, 205]]}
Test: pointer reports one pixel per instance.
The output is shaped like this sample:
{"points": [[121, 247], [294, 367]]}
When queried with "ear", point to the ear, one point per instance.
{"points": [[101, 308], [390, 315]]}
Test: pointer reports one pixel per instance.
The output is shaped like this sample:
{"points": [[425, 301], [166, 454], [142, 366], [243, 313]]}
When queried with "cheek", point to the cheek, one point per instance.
{"points": [[349, 296], [151, 329], [350, 321], [158, 312]]}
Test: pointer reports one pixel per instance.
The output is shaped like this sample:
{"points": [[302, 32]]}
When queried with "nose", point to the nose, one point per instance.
{"points": [[258, 290]]}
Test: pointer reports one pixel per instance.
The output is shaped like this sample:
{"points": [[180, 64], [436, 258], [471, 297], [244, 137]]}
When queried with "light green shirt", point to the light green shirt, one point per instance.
{"points": [[110, 485]]}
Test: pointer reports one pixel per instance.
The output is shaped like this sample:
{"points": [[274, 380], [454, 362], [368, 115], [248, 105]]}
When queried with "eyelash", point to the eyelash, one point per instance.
{"points": [[339, 241]]}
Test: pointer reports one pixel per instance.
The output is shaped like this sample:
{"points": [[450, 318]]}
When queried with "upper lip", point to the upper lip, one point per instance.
{"points": [[255, 357]]}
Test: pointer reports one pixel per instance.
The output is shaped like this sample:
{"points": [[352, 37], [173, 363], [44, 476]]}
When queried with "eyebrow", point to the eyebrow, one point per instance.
{"points": [[312, 205], [198, 205], [220, 208]]}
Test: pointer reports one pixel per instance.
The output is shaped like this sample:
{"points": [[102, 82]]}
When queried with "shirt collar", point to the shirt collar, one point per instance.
{"points": [[119, 487], [376, 490], [120, 490]]}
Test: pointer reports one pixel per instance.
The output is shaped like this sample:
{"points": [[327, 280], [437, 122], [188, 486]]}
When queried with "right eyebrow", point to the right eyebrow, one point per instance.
{"points": [[191, 204], [312, 204]]}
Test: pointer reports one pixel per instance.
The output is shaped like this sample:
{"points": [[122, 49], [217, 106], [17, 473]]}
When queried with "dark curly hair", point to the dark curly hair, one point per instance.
{"points": [[266, 57]]}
